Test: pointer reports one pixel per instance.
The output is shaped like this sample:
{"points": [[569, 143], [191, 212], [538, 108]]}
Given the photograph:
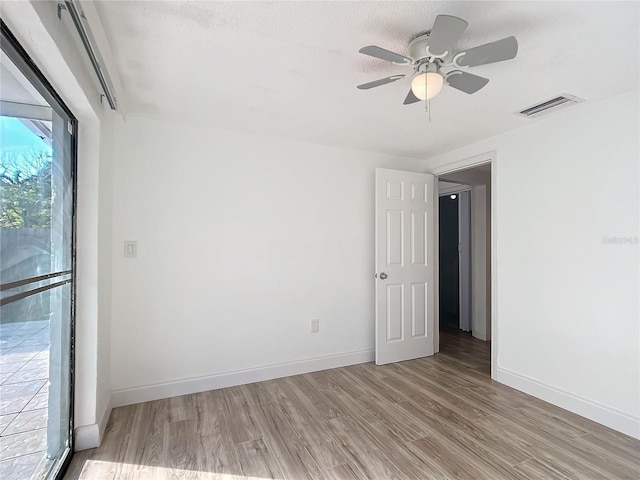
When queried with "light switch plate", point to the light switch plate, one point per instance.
{"points": [[130, 248]]}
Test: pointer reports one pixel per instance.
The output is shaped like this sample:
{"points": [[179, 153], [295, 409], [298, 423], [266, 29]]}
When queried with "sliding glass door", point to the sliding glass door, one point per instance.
{"points": [[37, 201]]}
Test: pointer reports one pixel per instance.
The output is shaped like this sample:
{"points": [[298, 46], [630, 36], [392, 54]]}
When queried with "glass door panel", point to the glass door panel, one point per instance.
{"points": [[37, 201]]}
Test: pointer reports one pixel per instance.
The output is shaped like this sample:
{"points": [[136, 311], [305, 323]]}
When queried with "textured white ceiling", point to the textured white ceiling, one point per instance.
{"points": [[290, 68], [15, 86]]}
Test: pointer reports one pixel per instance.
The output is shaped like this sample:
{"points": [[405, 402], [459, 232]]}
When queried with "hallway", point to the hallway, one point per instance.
{"points": [[465, 350]]}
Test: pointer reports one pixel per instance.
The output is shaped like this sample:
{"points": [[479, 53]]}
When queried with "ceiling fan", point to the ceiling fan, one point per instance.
{"points": [[431, 52]]}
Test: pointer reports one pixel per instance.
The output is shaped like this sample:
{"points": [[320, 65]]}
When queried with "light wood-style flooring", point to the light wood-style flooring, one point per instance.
{"points": [[440, 417]]}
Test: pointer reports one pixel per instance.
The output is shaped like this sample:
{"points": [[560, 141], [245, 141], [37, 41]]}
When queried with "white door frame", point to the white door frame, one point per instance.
{"points": [[464, 164], [454, 189]]}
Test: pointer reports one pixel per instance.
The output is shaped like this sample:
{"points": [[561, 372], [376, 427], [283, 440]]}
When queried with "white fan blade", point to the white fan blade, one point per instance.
{"points": [[497, 51], [411, 98], [465, 82], [382, 81], [446, 31], [383, 54]]}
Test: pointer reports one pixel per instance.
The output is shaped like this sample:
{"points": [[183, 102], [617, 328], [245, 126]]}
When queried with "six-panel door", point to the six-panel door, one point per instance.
{"points": [[404, 255]]}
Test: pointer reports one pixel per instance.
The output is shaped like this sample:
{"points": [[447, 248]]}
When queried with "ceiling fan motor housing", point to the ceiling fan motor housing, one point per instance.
{"points": [[418, 47]]}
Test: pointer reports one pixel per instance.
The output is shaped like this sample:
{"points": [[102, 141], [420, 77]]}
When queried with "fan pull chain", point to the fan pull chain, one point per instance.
{"points": [[427, 109], [427, 104]]}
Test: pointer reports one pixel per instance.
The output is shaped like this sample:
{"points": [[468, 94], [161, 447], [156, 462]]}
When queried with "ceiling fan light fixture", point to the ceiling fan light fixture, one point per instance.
{"points": [[427, 88], [431, 50]]}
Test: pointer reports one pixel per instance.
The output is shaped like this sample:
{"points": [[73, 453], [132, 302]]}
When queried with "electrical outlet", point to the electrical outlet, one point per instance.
{"points": [[315, 325]]}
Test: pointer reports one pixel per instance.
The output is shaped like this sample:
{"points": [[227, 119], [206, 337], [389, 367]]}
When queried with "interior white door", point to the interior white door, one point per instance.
{"points": [[404, 244]]}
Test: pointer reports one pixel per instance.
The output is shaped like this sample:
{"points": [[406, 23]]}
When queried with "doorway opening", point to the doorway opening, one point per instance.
{"points": [[464, 266]]}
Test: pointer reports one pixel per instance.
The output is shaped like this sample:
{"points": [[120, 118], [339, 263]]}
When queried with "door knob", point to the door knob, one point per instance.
{"points": [[383, 276]]}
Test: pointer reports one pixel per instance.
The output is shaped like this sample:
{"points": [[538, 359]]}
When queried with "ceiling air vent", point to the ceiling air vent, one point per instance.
{"points": [[552, 105]]}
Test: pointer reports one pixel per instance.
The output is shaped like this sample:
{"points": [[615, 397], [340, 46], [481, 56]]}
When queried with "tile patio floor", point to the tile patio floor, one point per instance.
{"points": [[24, 384]]}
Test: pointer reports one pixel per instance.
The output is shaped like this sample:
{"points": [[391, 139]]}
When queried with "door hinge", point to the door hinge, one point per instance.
{"points": [[61, 6]]}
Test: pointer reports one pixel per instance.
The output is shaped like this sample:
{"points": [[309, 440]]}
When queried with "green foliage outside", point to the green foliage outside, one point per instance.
{"points": [[25, 189]]}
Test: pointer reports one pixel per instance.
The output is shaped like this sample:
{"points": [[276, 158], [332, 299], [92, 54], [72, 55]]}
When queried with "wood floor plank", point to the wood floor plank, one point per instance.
{"points": [[490, 398], [417, 390], [255, 460], [347, 471], [534, 468], [432, 373], [349, 406], [604, 435], [108, 461], [294, 460], [321, 401], [446, 423], [581, 462], [464, 359], [363, 452], [215, 439], [475, 373], [262, 392], [534, 419], [500, 404], [398, 424], [392, 448], [619, 449], [209, 413], [79, 463], [147, 444], [312, 434], [216, 455], [325, 380], [180, 408], [349, 383], [243, 427], [435, 418], [180, 446], [372, 384], [459, 463]]}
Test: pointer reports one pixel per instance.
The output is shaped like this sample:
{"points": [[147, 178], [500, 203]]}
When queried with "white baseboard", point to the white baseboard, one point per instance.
{"points": [[585, 407], [86, 437], [90, 436], [148, 393], [102, 426]]}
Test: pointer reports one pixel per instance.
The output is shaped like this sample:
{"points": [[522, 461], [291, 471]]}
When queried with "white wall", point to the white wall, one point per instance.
{"points": [[55, 48], [567, 302], [481, 258], [104, 257], [242, 241]]}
